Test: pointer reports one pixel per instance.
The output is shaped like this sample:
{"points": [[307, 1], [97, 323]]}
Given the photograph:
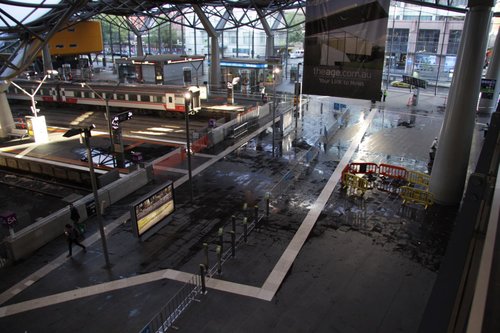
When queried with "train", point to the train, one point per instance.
{"points": [[162, 98]]}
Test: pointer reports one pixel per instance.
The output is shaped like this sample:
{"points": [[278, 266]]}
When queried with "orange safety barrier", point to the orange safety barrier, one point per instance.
{"points": [[359, 167], [392, 171]]}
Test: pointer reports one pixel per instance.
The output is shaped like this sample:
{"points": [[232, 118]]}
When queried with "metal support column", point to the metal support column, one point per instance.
{"points": [[215, 54]]}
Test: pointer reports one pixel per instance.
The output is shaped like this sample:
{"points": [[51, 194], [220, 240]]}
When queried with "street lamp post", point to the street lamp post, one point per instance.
{"points": [[38, 124], [108, 118], [32, 96], [187, 108], [276, 71], [87, 134]]}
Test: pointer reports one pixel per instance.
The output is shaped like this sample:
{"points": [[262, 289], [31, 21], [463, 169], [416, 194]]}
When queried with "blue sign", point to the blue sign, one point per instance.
{"points": [[242, 65]]}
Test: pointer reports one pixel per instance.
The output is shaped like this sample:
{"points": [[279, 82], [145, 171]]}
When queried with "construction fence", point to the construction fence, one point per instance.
{"points": [[411, 186]]}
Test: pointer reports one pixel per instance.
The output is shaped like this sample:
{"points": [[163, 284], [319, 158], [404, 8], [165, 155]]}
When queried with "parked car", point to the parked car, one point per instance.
{"points": [[297, 54], [400, 84]]}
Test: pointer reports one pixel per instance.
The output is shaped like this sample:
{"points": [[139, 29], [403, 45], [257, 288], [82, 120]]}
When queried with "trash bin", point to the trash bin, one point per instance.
{"points": [[136, 157], [293, 74]]}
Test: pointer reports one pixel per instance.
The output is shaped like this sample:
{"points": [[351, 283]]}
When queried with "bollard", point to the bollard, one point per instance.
{"points": [[256, 211], [233, 222], [218, 250], [205, 247], [221, 239], [245, 229], [268, 199], [233, 243], [202, 275]]}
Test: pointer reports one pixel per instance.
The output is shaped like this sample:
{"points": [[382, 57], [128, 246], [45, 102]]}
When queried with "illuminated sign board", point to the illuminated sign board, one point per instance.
{"points": [[415, 81], [242, 65], [153, 209], [488, 85]]}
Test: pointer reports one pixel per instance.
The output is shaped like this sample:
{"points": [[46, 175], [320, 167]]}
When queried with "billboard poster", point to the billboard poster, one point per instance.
{"points": [[344, 48], [488, 88], [153, 208]]}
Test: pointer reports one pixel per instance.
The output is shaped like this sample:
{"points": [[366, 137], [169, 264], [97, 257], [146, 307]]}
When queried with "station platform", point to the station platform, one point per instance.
{"points": [[322, 261]]}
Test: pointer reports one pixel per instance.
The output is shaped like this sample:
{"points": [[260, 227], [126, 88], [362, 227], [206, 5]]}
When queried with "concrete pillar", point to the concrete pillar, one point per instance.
{"points": [[488, 105], [450, 166], [6, 119], [214, 62], [47, 59]]}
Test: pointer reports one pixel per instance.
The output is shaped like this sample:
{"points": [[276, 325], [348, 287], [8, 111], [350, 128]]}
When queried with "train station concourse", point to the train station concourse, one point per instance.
{"points": [[249, 166]]}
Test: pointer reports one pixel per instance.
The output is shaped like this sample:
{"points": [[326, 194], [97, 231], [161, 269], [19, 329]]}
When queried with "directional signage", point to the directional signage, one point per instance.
{"points": [[415, 81]]}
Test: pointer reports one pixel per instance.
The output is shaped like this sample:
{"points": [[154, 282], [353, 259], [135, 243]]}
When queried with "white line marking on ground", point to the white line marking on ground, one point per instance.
{"points": [[280, 270], [266, 292]]}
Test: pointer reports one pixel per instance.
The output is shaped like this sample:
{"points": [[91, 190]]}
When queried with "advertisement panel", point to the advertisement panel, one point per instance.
{"points": [[153, 208], [344, 48], [487, 88]]}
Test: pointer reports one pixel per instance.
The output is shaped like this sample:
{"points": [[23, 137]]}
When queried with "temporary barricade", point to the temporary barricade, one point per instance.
{"points": [[355, 184], [421, 180], [344, 172], [418, 196], [391, 185], [393, 179], [364, 168], [392, 171]]}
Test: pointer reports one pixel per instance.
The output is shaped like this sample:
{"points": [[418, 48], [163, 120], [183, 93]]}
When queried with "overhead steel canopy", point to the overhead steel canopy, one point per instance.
{"points": [[24, 35]]}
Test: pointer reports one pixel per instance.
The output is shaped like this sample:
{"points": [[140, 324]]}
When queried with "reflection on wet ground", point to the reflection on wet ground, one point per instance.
{"points": [[250, 172]]}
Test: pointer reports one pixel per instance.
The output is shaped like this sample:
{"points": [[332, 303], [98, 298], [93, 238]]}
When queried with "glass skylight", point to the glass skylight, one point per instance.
{"points": [[27, 11]]}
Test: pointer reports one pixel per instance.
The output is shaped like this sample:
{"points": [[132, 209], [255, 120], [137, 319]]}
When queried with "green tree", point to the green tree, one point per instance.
{"points": [[296, 32]]}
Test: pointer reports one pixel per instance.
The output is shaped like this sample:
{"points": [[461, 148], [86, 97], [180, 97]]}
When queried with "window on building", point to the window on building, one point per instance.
{"points": [[427, 41], [454, 41], [397, 40]]}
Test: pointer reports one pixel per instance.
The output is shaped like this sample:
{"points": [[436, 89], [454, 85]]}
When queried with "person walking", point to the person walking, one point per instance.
{"points": [[72, 236], [384, 96], [75, 217], [433, 149]]}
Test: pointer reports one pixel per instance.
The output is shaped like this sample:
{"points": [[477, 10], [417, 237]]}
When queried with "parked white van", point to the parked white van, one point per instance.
{"points": [[297, 54]]}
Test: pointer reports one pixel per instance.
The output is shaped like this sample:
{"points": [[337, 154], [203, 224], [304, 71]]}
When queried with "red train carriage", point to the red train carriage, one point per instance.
{"points": [[146, 97]]}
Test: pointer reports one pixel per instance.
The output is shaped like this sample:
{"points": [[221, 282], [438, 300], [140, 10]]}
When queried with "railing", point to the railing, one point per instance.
{"points": [[174, 307]]}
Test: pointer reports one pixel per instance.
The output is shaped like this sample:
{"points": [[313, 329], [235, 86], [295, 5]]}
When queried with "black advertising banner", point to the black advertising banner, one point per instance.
{"points": [[344, 48]]}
